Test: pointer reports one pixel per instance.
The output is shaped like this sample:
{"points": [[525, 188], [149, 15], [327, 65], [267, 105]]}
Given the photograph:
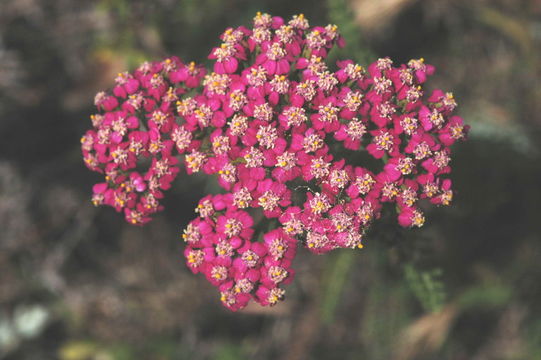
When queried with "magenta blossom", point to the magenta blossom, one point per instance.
{"points": [[278, 129]]}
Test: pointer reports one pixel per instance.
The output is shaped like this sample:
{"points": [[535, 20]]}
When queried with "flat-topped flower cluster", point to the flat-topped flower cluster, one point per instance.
{"points": [[269, 121]]}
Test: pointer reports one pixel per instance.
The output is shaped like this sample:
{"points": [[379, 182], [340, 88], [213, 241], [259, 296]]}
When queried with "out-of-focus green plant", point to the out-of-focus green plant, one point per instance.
{"points": [[426, 286], [229, 352], [339, 268]]}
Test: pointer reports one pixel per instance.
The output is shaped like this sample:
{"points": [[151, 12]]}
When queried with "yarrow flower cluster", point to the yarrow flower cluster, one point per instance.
{"points": [[266, 121]]}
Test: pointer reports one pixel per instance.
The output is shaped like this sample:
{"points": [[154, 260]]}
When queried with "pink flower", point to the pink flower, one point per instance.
{"points": [[235, 223], [362, 182], [261, 123], [327, 116], [351, 133], [385, 142], [190, 75], [410, 217], [421, 70], [268, 296], [453, 130], [280, 245], [273, 59], [271, 196]]}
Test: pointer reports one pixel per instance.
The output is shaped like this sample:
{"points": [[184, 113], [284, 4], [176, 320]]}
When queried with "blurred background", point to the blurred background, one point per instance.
{"points": [[78, 283]]}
